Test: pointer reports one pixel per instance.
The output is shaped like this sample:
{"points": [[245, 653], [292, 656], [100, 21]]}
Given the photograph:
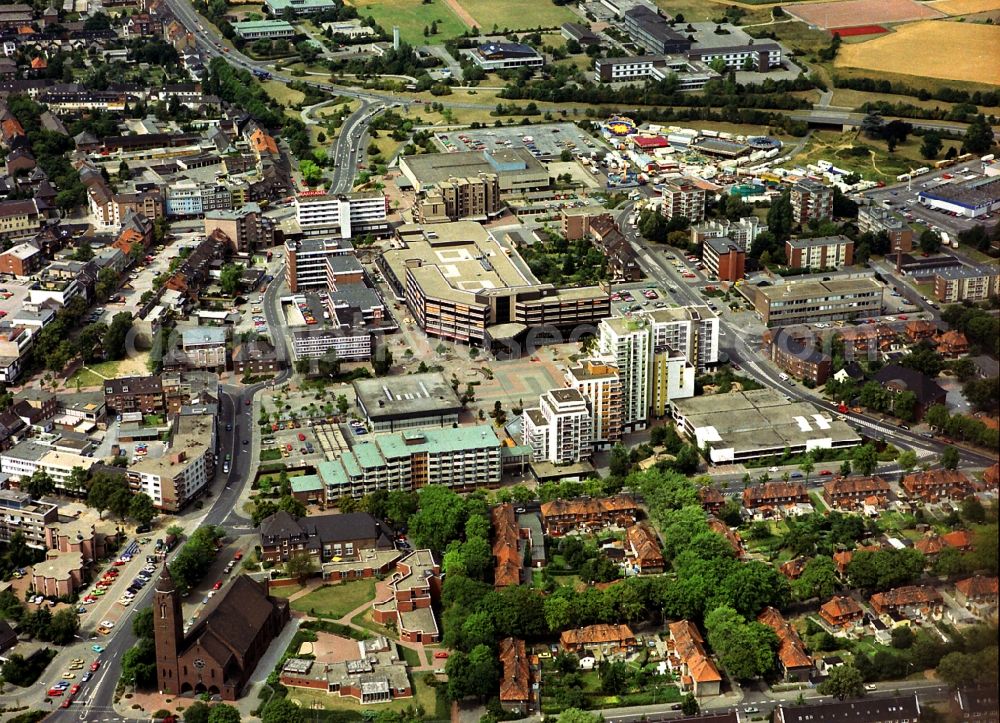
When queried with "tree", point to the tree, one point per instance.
{"points": [[950, 458], [806, 466], [930, 242], [300, 566], [229, 279], [382, 361], [40, 484], [575, 715], [973, 510], [818, 579], [141, 509], [223, 713], [439, 520], [780, 218], [618, 463], [107, 283], [689, 705], [117, 335], [64, 626], [277, 710], [745, 649], [872, 124], [311, 173], [931, 146], [865, 459], [844, 681], [103, 488], [342, 404], [197, 712], [906, 460], [978, 136]]}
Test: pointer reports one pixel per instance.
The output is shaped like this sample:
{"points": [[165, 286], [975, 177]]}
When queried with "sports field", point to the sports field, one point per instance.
{"points": [[861, 12], [965, 7], [979, 61], [860, 30], [412, 16], [517, 14]]}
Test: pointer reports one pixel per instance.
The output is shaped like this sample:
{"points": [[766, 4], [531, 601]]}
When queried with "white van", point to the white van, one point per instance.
{"points": [[783, 377]]}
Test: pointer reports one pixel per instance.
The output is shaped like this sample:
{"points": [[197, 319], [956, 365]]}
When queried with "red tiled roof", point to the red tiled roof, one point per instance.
{"points": [[959, 539], [903, 596], [840, 607], [596, 635], [978, 587], [645, 546], [515, 685], [791, 650], [690, 647]]}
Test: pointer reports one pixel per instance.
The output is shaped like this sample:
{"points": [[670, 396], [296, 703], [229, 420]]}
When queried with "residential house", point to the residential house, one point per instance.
{"points": [[978, 593], [974, 705], [732, 536], [952, 344], [850, 493], [642, 549], [910, 601], [506, 546], [918, 330], [937, 484], [255, 358], [898, 379], [711, 499], [515, 681], [841, 611], [610, 640], [775, 498], [687, 655], [794, 568], [795, 661], [561, 516], [323, 537]]}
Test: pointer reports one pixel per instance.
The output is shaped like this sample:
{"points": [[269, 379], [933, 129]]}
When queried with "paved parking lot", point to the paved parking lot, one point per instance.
{"points": [[18, 290], [545, 141]]}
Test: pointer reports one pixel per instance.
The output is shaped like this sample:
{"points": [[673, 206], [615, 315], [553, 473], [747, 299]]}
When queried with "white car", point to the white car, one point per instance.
{"points": [[772, 469], [871, 686], [107, 624]]}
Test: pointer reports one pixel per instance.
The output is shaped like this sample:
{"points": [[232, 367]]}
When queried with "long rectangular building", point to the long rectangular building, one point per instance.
{"points": [[462, 458], [760, 423], [346, 215], [808, 299]]}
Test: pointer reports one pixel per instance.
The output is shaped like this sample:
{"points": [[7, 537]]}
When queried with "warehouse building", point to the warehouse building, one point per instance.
{"points": [[760, 423], [970, 199], [264, 29]]}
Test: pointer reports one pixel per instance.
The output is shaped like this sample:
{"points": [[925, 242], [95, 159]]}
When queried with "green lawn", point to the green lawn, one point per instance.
{"points": [[335, 601], [412, 16], [517, 14], [411, 656], [83, 377], [284, 590]]}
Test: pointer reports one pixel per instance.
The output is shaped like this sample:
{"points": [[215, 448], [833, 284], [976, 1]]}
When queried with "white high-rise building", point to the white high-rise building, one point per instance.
{"points": [[560, 428], [627, 342], [672, 377], [347, 215], [691, 330]]}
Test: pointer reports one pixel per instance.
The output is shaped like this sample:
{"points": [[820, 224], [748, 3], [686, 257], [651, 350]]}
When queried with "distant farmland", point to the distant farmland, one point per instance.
{"points": [[852, 13]]}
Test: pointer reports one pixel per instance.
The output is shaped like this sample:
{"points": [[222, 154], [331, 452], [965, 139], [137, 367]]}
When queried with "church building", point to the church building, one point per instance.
{"points": [[220, 652]]}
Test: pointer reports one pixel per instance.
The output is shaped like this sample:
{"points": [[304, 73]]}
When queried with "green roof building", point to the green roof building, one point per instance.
{"points": [[266, 29]]}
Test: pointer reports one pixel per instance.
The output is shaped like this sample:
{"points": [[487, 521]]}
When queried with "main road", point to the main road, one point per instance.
{"points": [[736, 346]]}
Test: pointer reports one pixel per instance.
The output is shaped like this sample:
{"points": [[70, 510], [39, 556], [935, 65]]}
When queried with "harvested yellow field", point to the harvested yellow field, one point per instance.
{"points": [[965, 7], [930, 49]]}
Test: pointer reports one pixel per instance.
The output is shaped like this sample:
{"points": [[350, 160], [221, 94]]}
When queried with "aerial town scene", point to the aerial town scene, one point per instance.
{"points": [[465, 361]]}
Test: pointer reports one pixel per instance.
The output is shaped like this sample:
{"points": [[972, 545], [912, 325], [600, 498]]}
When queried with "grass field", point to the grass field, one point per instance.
{"points": [[797, 36], [423, 695], [412, 16], [284, 590], [283, 94], [699, 11], [517, 14], [335, 601], [979, 60], [878, 165], [965, 7], [855, 98]]}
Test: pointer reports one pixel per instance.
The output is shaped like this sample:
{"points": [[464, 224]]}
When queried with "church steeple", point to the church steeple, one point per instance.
{"points": [[168, 631]]}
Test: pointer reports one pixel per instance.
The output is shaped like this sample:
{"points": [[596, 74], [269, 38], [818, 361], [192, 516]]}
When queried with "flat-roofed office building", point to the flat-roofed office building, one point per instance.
{"points": [[392, 404], [809, 299]]}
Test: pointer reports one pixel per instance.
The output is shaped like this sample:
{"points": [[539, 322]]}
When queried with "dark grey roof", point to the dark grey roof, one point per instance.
{"points": [[862, 710], [927, 390]]}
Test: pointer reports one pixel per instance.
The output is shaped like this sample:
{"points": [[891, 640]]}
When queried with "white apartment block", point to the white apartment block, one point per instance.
{"points": [[627, 343], [348, 215], [601, 384], [347, 344], [690, 330], [560, 429], [20, 513], [59, 466], [742, 232], [307, 261], [186, 467]]}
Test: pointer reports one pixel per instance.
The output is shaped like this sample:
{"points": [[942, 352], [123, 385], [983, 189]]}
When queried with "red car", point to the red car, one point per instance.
{"points": [[902, 317], [288, 447], [441, 654], [825, 473], [53, 692], [95, 665], [302, 437], [67, 703], [75, 689], [217, 585], [238, 555]]}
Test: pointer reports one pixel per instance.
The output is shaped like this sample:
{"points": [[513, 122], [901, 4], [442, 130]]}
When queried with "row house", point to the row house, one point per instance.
{"points": [[841, 611], [848, 493], [642, 548], [711, 499], [795, 661], [609, 640], [732, 536], [687, 655], [135, 394], [911, 601], [938, 484], [918, 330], [561, 516], [506, 547], [867, 340], [933, 544], [772, 498], [608, 237], [952, 344], [516, 679]]}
